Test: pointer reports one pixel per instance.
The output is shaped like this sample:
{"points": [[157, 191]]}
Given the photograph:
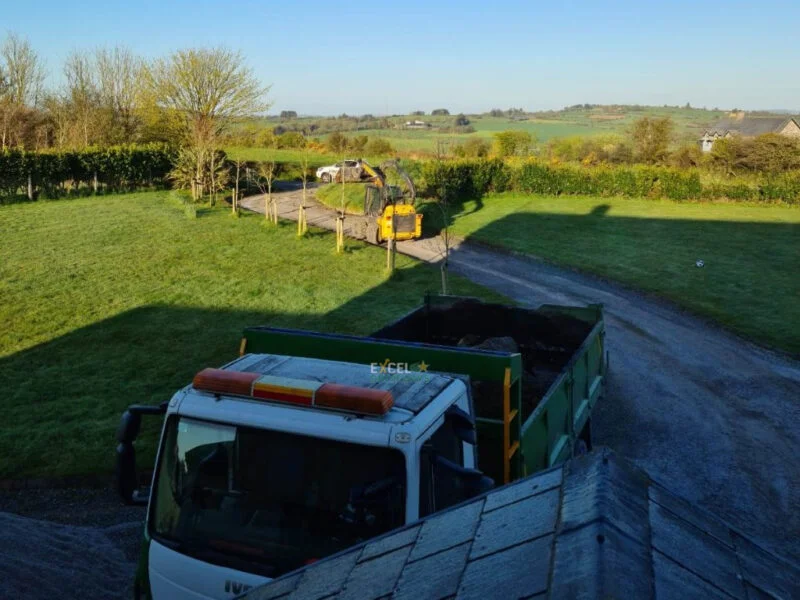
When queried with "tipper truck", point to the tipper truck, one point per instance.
{"points": [[309, 443]]}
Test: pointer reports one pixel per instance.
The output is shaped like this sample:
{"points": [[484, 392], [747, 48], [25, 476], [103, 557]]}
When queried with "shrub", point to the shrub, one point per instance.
{"points": [[651, 138], [357, 143], [117, 168], [687, 156], [378, 147], [455, 181], [337, 142], [290, 139], [769, 153], [512, 143], [472, 148]]}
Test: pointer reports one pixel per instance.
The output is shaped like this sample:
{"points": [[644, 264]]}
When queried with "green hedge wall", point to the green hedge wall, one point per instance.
{"points": [[116, 168], [464, 179]]}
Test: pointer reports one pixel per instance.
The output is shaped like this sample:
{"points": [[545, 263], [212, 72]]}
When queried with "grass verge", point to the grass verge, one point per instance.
{"points": [[121, 299], [331, 195]]}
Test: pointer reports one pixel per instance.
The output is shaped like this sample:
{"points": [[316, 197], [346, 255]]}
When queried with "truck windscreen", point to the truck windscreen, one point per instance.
{"points": [[267, 501]]}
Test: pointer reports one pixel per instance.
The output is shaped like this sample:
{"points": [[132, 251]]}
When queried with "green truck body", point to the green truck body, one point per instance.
{"points": [[532, 402]]}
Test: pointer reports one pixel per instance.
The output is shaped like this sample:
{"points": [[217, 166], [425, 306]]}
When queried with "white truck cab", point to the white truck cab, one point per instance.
{"points": [[273, 462]]}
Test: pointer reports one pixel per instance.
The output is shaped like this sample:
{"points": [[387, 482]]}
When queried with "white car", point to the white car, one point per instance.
{"points": [[329, 173]]}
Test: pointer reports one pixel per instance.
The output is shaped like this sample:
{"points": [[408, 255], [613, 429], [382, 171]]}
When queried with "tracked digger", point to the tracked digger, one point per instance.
{"points": [[390, 209]]}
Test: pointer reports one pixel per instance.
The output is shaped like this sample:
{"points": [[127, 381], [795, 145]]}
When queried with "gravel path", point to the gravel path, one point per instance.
{"points": [[68, 544], [709, 415]]}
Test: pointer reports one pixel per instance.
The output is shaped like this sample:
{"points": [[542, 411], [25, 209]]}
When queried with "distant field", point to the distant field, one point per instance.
{"points": [[116, 300], [750, 279], [689, 124]]}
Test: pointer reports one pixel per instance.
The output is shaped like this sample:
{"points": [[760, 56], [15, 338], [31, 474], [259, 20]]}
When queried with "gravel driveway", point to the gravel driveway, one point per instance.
{"points": [[67, 543]]}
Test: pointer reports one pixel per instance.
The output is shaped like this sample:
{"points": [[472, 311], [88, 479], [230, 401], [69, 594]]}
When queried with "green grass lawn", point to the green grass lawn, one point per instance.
{"points": [[750, 281], [331, 195], [117, 300]]}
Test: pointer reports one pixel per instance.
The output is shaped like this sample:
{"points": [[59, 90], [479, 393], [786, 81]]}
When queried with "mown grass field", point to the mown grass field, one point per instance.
{"points": [[750, 282], [117, 300]]}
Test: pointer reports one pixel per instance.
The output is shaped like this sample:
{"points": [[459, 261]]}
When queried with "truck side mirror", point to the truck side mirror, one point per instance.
{"points": [[463, 424], [125, 478], [129, 425], [474, 482]]}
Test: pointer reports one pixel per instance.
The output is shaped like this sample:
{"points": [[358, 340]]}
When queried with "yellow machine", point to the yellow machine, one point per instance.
{"points": [[389, 208]]}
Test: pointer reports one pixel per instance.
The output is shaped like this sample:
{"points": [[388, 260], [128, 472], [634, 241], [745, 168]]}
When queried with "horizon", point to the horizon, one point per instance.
{"points": [[458, 56]]}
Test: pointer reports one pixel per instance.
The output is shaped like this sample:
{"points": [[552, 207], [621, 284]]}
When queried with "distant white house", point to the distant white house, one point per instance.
{"points": [[416, 125], [739, 125]]}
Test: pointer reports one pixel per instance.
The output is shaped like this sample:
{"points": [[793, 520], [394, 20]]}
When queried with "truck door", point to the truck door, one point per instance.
{"points": [[440, 488]]}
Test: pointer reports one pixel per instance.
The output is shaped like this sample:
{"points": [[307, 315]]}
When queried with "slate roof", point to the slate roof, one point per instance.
{"points": [[749, 126], [597, 527]]}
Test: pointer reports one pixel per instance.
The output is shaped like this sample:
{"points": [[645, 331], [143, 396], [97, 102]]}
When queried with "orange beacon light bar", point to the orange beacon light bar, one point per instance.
{"points": [[335, 396]]}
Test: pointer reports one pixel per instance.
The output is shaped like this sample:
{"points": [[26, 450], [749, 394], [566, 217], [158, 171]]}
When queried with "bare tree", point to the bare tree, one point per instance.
{"points": [[444, 235], [209, 90], [23, 75], [444, 232], [118, 74], [82, 95], [302, 222]]}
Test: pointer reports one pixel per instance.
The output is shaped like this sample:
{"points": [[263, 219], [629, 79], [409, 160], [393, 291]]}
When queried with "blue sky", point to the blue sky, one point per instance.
{"points": [[378, 57]]}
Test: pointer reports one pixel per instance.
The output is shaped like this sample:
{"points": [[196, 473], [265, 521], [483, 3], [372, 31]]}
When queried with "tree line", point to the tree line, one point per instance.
{"points": [[649, 141], [190, 99]]}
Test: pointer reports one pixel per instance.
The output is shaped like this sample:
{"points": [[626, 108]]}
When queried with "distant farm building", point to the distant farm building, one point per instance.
{"points": [[416, 124], [748, 127]]}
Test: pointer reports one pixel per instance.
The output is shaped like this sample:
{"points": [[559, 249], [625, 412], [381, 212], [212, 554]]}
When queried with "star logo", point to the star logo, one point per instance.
{"points": [[423, 367]]}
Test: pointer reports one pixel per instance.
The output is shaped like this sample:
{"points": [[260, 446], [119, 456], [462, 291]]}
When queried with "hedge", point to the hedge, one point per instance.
{"points": [[460, 180], [116, 168]]}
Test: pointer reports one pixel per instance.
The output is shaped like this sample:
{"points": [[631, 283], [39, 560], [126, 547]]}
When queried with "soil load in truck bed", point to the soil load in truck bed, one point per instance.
{"points": [[546, 341]]}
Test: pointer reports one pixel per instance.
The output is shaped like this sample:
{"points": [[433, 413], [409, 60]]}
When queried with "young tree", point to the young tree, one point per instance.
{"points": [[651, 138], [266, 176], [238, 163], [302, 222], [209, 90]]}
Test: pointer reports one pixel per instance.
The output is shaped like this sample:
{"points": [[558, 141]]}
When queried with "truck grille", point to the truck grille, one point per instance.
{"points": [[405, 223]]}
